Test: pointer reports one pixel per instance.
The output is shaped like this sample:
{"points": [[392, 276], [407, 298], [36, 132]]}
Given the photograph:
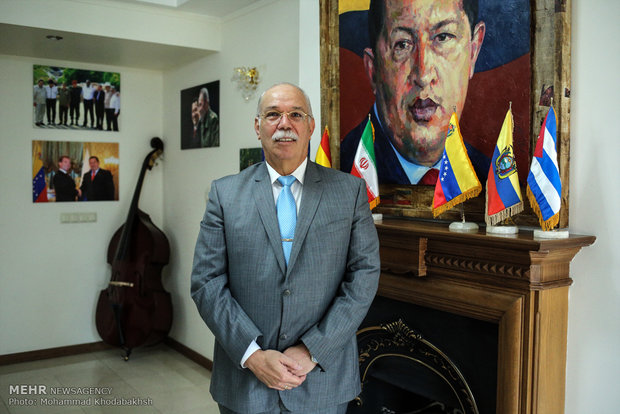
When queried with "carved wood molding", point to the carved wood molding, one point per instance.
{"points": [[519, 283]]}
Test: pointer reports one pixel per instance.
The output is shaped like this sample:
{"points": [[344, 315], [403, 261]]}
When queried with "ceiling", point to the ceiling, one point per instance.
{"points": [[30, 41], [215, 8]]}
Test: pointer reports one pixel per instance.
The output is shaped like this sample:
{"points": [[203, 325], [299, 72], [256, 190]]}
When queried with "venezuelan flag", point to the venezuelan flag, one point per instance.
{"points": [[323, 154], [457, 179], [503, 198], [39, 186]]}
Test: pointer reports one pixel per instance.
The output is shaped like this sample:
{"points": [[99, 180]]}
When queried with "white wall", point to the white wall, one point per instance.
{"points": [[51, 273], [594, 307], [268, 38]]}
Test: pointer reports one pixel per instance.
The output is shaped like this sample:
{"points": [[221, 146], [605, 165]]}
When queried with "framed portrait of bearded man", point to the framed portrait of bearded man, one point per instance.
{"points": [[405, 66]]}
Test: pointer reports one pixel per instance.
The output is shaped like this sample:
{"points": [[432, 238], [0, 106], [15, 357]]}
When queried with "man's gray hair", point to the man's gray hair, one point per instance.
{"points": [[205, 94], [260, 99]]}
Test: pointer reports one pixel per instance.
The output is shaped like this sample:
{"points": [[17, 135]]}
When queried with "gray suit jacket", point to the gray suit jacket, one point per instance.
{"points": [[243, 289]]}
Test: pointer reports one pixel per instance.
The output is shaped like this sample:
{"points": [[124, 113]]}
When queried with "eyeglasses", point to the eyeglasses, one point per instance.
{"points": [[274, 117]]}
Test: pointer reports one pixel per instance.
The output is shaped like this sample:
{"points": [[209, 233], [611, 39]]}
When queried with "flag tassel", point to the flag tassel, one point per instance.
{"points": [[508, 212], [548, 224], [471, 193]]}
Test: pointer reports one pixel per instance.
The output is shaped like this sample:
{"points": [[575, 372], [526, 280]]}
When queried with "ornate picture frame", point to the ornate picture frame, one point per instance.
{"points": [[550, 72]]}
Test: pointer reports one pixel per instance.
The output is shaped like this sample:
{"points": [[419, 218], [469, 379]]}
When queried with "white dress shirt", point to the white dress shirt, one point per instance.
{"points": [[276, 187]]}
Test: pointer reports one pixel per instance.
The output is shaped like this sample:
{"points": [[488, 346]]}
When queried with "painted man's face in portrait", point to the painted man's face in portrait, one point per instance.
{"points": [[419, 71]]}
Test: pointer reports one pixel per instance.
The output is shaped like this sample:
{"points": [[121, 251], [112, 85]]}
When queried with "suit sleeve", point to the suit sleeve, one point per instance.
{"points": [[357, 290], [64, 186], [109, 187], [232, 327]]}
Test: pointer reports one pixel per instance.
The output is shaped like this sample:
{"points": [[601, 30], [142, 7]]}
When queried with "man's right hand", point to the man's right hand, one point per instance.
{"points": [[273, 369]]}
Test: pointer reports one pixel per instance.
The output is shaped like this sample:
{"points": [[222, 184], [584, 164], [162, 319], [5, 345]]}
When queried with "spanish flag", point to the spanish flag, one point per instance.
{"points": [[323, 154], [503, 198], [457, 179]]}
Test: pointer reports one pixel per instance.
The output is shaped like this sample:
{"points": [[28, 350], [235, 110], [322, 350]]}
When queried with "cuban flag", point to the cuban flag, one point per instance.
{"points": [[457, 179], [544, 188], [503, 191]]}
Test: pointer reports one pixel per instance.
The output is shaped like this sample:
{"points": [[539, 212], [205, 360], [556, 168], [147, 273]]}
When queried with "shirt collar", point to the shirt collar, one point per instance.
{"points": [[299, 173]]}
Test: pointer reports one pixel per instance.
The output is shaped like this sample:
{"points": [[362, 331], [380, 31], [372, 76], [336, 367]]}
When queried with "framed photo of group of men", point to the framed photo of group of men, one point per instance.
{"points": [[75, 100], [406, 65]]}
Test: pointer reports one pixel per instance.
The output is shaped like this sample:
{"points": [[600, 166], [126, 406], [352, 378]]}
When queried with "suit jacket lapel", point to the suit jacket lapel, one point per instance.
{"points": [[263, 197], [311, 196]]}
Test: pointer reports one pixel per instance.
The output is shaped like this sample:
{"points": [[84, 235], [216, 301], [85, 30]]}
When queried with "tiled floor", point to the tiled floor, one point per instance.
{"points": [[155, 380]]}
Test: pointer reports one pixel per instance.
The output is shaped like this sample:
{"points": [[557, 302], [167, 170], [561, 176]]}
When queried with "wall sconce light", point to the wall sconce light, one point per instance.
{"points": [[247, 80]]}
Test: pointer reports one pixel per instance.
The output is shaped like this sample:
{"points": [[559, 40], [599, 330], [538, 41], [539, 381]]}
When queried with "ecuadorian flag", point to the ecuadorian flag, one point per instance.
{"points": [[457, 179], [544, 187], [503, 191]]}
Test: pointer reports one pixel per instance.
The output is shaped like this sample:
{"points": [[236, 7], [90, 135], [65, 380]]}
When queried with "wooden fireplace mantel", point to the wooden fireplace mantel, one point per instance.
{"points": [[518, 282]]}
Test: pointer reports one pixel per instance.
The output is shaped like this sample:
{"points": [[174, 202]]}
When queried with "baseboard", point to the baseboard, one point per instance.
{"points": [[189, 353], [52, 352], [97, 346]]}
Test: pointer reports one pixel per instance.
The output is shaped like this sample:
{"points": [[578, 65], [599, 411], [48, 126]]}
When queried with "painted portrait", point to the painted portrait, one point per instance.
{"points": [[65, 171], [407, 65], [200, 122], [75, 99]]}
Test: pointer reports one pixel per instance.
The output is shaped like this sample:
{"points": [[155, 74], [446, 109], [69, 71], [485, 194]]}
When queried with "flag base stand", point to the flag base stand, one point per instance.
{"points": [[502, 230], [551, 234], [463, 226]]}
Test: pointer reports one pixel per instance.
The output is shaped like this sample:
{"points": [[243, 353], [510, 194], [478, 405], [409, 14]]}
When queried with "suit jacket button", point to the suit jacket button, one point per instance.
{"points": [[283, 337], [286, 292]]}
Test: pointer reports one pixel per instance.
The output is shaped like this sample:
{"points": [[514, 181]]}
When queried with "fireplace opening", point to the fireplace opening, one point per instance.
{"points": [[419, 360]]}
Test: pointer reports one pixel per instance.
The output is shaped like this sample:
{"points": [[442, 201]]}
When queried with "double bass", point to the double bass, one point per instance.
{"points": [[134, 309]]}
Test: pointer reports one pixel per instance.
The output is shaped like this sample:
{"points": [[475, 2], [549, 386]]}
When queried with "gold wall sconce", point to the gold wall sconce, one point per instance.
{"points": [[247, 80]]}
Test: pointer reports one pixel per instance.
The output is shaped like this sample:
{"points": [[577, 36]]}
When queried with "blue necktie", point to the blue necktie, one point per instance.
{"points": [[287, 214]]}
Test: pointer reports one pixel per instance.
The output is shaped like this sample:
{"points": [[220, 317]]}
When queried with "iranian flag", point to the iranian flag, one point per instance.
{"points": [[364, 165]]}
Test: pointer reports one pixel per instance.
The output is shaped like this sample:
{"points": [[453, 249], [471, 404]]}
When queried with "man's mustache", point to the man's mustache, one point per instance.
{"points": [[284, 134]]}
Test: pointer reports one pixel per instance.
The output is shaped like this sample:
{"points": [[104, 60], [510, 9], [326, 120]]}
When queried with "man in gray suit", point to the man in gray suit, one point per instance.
{"points": [[284, 309]]}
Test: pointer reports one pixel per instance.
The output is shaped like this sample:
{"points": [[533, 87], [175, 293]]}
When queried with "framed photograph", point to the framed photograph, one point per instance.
{"points": [[405, 66], [249, 156], [74, 171], [75, 99], [200, 122]]}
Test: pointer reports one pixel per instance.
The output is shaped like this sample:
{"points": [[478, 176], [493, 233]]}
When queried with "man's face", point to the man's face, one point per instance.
{"points": [[195, 113], [203, 105], [284, 98], [420, 71], [40, 83], [94, 164], [65, 164]]}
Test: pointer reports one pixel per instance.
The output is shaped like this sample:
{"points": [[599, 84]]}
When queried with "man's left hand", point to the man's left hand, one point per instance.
{"points": [[300, 354]]}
